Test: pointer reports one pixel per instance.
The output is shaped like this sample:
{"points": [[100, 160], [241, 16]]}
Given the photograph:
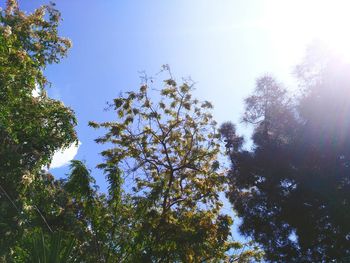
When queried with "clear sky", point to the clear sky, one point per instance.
{"points": [[224, 45]]}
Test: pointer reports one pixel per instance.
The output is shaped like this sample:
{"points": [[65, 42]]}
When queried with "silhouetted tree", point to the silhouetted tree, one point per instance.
{"points": [[292, 188]]}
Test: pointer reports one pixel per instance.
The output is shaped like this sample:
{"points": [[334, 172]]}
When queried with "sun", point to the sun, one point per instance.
{"points": [[303, 21], [333, 27]]}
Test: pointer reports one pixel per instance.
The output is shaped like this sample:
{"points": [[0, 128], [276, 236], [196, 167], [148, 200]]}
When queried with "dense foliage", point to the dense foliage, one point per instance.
{"points": [[292, 187], [31, 128]]}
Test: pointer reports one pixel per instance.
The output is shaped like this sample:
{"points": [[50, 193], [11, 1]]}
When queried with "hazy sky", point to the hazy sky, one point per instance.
{"points": [[224, 45]]}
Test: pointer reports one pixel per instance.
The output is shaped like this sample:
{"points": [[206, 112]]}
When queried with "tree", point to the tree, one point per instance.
{"points": [[89, 220], [292, 188], [32, 128], [73, 217], [269, 110], [164, 160], [50, 250]]}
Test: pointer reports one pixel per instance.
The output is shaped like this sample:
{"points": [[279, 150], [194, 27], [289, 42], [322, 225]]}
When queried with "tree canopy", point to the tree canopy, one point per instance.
{"points": [[166, 151], [292, 187], [32, 128]]}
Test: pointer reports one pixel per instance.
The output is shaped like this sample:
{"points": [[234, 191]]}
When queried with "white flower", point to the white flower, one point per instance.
{"points": [[27, 207], [27, 178], [7, 31]]}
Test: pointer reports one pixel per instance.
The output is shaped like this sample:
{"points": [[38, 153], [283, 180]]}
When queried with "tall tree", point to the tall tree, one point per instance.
{"points": [[165, 154], [292, 188], [32, 128]]}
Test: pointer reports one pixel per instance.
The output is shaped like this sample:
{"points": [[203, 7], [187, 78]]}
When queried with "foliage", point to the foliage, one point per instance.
{"points": [[54, 248], [166, 152], [31, 128], [90, 214], [79, 180], [292, 188]]}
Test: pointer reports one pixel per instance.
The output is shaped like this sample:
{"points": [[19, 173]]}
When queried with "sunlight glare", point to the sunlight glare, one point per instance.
{"points": [[301, 21]]}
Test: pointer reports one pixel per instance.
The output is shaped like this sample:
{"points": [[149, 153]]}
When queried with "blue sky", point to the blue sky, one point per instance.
{"points": [[223, 45]]}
